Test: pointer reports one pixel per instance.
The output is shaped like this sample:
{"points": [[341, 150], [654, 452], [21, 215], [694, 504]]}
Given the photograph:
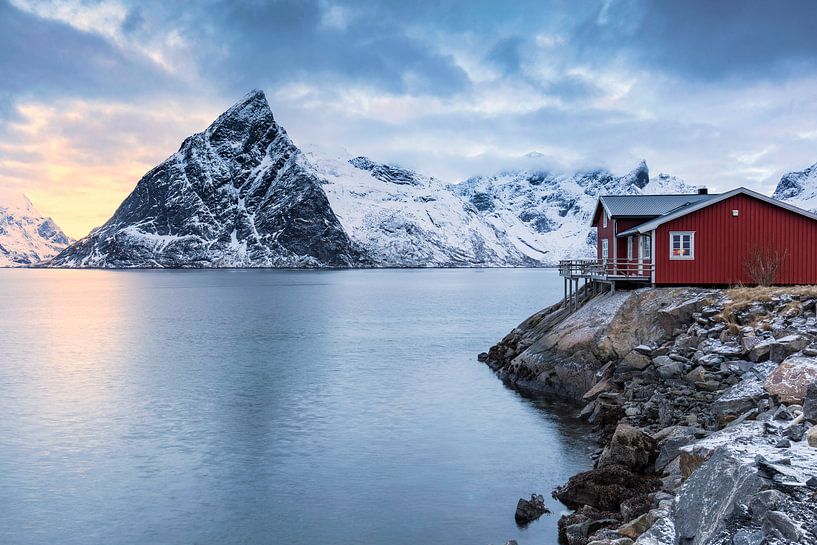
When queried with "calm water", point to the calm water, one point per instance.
{"points": [[225, 407]]}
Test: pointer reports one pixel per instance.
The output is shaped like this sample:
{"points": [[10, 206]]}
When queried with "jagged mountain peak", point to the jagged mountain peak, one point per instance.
{"points": [[234, 195], [26, 237], [799, 188]]}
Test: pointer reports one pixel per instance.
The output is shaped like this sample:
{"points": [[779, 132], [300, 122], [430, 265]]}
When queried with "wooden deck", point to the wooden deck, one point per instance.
{"points": [[605, 271], [600, 275]]}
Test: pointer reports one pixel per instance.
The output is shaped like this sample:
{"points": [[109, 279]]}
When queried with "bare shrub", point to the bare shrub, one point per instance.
{"points": [[763, 264]]}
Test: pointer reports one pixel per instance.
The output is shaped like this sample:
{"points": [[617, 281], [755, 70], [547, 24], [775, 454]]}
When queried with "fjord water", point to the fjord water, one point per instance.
{"points": [[253, 407]]}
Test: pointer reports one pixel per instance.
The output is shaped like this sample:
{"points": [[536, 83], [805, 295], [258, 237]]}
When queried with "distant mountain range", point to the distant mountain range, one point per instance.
{"points": [[241, 194], [26, 237]]}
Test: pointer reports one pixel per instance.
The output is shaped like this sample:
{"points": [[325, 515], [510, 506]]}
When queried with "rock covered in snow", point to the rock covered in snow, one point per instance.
{"points": [[26, 237], [799, 188]]}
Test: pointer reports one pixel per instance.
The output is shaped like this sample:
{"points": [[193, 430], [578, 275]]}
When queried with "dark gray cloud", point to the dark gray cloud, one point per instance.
{"points": [[45, 59], [706, 40]]}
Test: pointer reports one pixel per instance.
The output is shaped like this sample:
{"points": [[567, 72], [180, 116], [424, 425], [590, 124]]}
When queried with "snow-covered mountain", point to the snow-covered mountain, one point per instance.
{"points": [[241, 194], [235, 195], [547, 216], [404, 219], [26, 237], [799, 188]]}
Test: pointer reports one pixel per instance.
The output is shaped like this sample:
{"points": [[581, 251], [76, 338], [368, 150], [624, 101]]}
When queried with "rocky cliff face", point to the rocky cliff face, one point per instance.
{"points": [[26, 237], [799, 188], [235, 195], [706, 403]]}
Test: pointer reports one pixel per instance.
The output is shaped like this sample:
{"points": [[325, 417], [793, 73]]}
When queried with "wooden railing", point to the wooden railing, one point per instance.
{"points": [[605, 268]]}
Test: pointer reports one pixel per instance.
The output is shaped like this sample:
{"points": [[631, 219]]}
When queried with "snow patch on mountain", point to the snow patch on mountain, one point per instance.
{"points": [[403, 219], [26, 236], [547, 216], [799, 188]]}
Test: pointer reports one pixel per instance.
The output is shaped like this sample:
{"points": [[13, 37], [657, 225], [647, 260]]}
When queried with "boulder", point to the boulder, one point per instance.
{"points": [[785, 346], [781, 523], [605, 488], [629, 447], [696, 375], [662, 360], [636, 360], [670, 445], [638, 526], [529, 510], [789, 381], [760, 351], [739, 398], [670, 370], [763, 502], [709, 498]]}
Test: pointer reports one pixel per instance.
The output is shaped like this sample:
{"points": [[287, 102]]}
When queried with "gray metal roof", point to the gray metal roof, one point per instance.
{"points": [[647, 206], [648, 226]]}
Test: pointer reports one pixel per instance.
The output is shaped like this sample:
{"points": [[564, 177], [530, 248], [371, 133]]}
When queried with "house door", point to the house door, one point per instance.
{"points": [[644, 253]]}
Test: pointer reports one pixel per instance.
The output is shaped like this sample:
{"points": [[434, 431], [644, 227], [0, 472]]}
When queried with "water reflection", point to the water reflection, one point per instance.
{"points": [[270, 406]]}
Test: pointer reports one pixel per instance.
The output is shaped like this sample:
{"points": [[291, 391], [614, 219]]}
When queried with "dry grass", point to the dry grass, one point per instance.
{"points": [[740, 298]]}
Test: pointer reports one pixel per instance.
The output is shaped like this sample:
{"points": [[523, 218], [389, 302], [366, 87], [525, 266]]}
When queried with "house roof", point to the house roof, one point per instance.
{"points": [[646, 206], [690, 207]]}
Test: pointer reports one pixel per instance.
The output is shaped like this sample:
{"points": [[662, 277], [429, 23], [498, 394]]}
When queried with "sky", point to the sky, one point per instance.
{"points": [[95, 93]]}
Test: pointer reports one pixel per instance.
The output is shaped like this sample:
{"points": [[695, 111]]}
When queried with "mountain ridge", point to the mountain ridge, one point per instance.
{"points": [[242, 194], [26, 236]]}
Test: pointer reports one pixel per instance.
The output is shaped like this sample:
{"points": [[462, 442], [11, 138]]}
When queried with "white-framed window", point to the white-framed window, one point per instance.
{"points": [[682, 245], [605, 249], [629, 248], [646, 247], [604, 221]]}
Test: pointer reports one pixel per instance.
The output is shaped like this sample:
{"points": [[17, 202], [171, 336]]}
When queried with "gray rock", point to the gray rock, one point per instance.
{"points": [[629, 447], [785, 346], [670, 370], [662, 360], [671, 443], [529, 510], [763, 502], [784, 525], [739, 398], [710, 496], [748, 536]]}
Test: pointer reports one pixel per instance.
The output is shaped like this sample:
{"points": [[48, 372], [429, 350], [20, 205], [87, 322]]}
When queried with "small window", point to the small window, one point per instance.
{"points": [[681, 245], [605, 249], [605, 219], [629, 248]]}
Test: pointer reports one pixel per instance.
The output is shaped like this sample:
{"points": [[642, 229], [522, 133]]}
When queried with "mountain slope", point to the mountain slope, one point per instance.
{"points": [[547, 216], [404, 219], [235, 195], [26, 237], [799, 188]]}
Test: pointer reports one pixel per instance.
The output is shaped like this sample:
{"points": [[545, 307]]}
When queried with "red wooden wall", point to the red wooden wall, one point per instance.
{"points": [[723, 242], [605, 233]]}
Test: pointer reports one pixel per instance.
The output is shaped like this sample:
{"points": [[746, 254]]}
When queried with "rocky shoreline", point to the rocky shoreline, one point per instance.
{"points": [[705, 401]]}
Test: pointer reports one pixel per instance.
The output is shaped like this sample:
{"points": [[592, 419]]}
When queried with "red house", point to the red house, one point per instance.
{"points": [[738, 237]]}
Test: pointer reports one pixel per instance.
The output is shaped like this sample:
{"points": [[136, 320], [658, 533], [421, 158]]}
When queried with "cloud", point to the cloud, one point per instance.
{"points": [[721, 94]]}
